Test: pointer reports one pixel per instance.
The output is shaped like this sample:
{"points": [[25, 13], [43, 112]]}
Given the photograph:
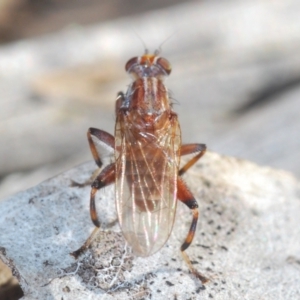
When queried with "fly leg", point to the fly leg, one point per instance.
{"points": [[105, 178], [189, 149], [102, 148], [102, 145], [185, 196]]}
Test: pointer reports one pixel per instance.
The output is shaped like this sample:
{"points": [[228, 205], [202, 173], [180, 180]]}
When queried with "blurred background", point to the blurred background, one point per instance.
{"points": [[235, 80]]}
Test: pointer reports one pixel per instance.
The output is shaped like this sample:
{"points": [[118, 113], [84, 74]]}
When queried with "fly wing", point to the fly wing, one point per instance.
{"points": [[146, 186]]}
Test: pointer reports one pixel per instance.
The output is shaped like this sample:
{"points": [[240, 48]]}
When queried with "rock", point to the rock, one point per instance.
{"points": [[247, 241]]}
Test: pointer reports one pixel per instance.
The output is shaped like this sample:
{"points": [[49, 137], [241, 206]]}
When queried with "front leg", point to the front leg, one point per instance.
{"points": [[190, 149], [102, 147]]}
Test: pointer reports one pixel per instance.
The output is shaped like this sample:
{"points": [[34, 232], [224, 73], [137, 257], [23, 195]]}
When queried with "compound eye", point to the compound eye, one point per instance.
{"points": [[133, 61], [164, 64]]}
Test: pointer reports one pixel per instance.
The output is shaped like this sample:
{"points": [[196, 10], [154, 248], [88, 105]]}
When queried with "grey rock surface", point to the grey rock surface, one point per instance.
{"points": [[247, 240]]}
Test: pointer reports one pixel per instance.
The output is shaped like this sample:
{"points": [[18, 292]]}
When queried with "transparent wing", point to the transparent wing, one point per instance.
{"points": [[146, 187]]}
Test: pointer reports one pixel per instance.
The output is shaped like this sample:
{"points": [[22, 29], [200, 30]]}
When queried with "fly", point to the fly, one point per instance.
{"points": [[146, 170]]}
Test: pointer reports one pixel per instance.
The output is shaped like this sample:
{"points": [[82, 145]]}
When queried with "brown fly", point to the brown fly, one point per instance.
{"points": [[146, 172]]}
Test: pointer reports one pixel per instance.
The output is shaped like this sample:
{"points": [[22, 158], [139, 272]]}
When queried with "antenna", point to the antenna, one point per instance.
{"points": [[141, 40], [159, 50]]}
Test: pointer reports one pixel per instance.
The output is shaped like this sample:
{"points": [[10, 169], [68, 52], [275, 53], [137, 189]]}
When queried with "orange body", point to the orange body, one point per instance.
{"points": [[147, 150]]}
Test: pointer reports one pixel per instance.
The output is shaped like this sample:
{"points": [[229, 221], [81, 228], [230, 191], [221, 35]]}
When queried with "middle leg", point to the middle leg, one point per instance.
{"points": [[105, 178], [185, 196]]}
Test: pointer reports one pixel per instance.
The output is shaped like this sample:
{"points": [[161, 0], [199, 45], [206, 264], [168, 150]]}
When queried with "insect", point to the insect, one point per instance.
{"points": [[146, 172]]}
